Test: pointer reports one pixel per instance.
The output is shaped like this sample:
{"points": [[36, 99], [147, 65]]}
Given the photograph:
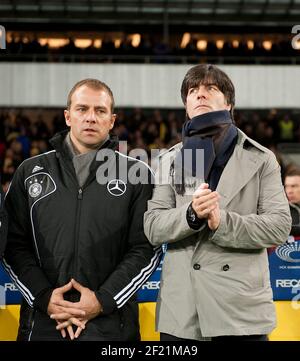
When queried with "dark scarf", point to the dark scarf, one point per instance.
{"points": [[215, 133]]}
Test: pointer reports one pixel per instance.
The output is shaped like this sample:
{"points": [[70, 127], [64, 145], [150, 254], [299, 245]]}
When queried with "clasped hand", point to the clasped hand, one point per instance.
{"points": [[68, 313], [206, 205]]}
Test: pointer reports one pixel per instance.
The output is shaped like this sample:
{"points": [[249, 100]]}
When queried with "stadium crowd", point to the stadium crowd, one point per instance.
{"points": [[25, 132]]}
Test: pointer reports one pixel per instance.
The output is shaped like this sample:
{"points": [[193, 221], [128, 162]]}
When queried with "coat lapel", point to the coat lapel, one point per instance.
{"points": [[236, 175]]}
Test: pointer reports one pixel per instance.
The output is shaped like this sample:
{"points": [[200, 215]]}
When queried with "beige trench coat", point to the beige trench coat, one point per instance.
{"points": [[217, 283]]}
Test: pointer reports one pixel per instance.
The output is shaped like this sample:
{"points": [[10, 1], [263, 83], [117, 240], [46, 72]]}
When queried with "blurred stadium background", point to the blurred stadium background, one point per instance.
{"points": [[142, 50]]}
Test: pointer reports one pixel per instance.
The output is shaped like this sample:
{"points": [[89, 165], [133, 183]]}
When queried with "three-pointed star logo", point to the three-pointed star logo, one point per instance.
{"points": [[116, 187]]}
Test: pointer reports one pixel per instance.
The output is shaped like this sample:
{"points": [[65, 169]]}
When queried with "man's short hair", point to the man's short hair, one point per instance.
{"points": [[93, 84], [205, 74], [293, 172]]}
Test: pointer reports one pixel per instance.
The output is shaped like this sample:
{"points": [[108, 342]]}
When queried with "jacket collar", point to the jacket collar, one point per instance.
{"points": [[58, 143], [64, 154], [295, 206]]}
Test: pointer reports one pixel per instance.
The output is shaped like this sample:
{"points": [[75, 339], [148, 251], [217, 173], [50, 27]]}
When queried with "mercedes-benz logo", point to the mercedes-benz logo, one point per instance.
{"points": [[116, 187]]}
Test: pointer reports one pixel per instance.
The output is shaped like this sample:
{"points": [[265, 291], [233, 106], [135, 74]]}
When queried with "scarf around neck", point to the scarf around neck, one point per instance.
{"points": [[212, 132]]}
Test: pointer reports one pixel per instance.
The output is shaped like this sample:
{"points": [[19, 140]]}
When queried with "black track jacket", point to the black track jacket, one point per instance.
{"points": [[94, 234]]}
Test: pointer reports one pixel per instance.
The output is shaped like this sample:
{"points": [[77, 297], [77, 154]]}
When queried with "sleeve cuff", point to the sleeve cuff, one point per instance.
{"points": [[106, 301], [193, 221], [41, 301]]}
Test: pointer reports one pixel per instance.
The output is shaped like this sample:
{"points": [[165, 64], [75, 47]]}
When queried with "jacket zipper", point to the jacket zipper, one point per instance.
{"points": [[77, 227]]}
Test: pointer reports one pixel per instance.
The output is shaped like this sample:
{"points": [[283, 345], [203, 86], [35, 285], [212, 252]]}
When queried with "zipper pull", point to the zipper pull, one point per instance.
{"points": [[79, 193]]}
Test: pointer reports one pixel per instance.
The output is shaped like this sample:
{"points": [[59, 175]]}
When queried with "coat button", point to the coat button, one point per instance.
{"points": [[225, 267], [196, 266]]}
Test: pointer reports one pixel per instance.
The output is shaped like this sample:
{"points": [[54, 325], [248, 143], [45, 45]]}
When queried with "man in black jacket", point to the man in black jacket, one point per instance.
{"points": [[292, 189], [3, 223], [76, 247]]}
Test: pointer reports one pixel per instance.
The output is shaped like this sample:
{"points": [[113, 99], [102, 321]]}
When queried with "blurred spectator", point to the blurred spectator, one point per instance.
{"points": [[292, 189], [286, 129]]}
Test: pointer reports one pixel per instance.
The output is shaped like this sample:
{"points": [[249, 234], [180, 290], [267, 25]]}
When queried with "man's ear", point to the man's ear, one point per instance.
{"points": [[67, 117], [228, 106], [112, 121]]}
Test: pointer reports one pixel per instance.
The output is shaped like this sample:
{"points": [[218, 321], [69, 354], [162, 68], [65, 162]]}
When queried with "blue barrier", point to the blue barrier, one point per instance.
{"points": [[12, 295], [147, 293], [284, 262]]}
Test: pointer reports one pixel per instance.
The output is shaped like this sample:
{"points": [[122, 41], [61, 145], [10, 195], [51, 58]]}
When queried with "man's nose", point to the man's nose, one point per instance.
{"points": [[91, 117], [202, 92]]}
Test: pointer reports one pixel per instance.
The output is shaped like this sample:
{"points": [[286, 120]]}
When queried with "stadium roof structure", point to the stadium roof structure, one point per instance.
{"points": [[188, 13]]}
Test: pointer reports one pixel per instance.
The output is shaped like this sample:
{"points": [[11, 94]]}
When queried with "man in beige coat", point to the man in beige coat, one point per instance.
{"points": [[215, 279]]}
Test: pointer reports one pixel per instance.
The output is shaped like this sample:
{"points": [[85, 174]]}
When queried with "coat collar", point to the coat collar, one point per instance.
{"points": [[241, 167]]}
